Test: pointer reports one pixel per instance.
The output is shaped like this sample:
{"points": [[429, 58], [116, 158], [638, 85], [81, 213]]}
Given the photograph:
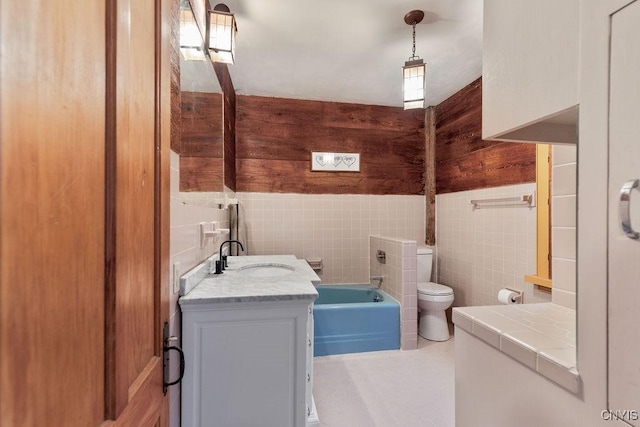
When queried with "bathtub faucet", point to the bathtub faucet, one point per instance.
{"points": [[380, 279], [220, 264]]}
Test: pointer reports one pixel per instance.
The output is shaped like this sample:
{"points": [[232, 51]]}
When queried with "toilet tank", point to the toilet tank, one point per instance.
{"points": [[425, 262]]}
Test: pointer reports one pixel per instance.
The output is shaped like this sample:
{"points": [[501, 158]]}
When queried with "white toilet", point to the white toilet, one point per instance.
{"points": [[433, 300]]}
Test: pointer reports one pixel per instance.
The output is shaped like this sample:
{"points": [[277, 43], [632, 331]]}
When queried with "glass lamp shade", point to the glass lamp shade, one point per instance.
{"points": [[190, 38], [221, 36], [413, 83]]}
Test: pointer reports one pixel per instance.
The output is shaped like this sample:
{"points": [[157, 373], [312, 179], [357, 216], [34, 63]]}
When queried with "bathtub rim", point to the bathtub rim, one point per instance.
{"points": [[391, 301]]}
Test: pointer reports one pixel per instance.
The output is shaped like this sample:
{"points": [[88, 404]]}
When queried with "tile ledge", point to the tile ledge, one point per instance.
{"points": [[564, 373]]}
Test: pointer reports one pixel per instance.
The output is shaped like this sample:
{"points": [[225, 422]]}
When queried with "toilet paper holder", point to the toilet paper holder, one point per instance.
{"points": [[515, 296]]}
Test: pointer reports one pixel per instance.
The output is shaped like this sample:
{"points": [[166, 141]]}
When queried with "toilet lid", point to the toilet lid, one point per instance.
{"points": [[431, 288]]}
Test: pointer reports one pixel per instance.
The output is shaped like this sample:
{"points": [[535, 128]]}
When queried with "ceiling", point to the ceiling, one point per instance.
{"points": [[353, 50]]}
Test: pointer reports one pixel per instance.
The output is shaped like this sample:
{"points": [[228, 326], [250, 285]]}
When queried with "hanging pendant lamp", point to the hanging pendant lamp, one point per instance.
{"points": [[414, 70], [221, 34]]}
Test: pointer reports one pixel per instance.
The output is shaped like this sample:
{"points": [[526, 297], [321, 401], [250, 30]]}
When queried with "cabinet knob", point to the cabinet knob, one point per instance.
{"points": [[308, 411], [308, 376], [309, 343]]}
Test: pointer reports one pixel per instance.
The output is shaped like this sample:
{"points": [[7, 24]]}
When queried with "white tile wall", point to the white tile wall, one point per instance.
{"points": [[484, 250], [563, 224], [333, 227], [185, 249], [400, 281]]}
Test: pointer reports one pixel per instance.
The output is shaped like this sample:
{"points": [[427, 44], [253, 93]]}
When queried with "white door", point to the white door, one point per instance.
{"points": [[624, 250]]}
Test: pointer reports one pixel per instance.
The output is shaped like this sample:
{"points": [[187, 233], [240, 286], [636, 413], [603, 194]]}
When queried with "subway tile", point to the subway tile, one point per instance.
{"points": [[564, 180], [410, 327], [523, 343], [564, 242], [563, 211], [410, 301], [462, 321], [563, 154], [486, 334], [409, 314], [174, 160], [183, 238], [174, 183], [564, 298], [564, 274], [519, 351]]}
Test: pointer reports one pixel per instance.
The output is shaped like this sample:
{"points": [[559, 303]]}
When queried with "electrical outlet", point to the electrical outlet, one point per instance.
{"points": [[176, 277]]}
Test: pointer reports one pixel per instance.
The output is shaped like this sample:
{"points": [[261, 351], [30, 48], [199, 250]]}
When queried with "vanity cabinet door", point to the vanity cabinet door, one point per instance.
{"points": [[245, 365], [624, 252], [530, 57], [309, 344]]}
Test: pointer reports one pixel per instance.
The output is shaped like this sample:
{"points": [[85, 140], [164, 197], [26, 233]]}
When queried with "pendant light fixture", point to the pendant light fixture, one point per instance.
{"points": [[414, 70], [221, 34], [191, 45]]}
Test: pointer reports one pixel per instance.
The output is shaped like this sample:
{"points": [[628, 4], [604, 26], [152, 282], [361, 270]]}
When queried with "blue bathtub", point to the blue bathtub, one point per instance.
{"points": [[353, 319]]}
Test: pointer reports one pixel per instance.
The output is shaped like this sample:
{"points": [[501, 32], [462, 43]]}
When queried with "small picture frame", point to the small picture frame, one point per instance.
{"points": [[335, 162]]}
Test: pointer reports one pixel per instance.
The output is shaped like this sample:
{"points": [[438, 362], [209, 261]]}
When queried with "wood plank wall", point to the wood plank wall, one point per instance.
{"points": [[464, 161], [201, 124], [207, 139], [174, 64], [201, 141], [228, 125], [275, 138]]}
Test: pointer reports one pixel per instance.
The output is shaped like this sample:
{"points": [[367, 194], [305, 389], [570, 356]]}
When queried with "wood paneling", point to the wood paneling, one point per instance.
{"points": [[464, 161], [229, 124], [162, 203], [130, 309], [430, 170], [201, 131], [174, 64], [200, 173], [208, 131], [52, 110], [495, 166], [84, 250], [137, 182], [275, 138]]}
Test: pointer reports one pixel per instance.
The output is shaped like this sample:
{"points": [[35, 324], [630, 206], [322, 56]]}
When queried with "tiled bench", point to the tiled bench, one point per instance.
{"points": [[540, 336]]}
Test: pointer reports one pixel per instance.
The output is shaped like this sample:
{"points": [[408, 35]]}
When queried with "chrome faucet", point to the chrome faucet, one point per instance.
{"points": [[220, 264], [379, 279]]}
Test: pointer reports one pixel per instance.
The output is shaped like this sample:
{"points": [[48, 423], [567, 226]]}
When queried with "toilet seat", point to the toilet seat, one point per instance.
{"points": [[434, 289]]}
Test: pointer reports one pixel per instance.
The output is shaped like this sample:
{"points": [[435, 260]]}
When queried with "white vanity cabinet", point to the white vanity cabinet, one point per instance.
{"points": [[247, 363], [624, 201], [530, 65], [247, 336]]}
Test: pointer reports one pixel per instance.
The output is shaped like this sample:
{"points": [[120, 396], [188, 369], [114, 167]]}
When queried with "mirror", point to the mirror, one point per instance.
{"points": [[201, 104]]}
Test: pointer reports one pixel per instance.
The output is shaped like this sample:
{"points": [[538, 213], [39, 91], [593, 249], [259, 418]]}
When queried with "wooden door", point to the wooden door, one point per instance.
{"points": [[52, 107], [83, 212], [135, 307], [624, 252]]}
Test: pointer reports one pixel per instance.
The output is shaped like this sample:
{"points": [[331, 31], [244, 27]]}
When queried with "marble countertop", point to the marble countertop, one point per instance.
{"points": [[540, 336], [234, 285]]}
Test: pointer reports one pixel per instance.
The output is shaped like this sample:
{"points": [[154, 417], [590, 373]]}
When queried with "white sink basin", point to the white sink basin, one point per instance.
{"points": [[266, 270]]}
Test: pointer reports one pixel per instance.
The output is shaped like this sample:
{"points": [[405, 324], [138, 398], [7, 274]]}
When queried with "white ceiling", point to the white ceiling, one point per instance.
{"points": [[353, 50]]}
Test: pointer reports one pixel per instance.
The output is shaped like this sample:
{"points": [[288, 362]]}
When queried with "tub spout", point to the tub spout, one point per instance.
{"points": [[379, 279]]}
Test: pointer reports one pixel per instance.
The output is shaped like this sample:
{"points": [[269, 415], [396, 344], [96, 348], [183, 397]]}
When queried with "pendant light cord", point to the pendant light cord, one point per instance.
{"points": [[413, 50]]}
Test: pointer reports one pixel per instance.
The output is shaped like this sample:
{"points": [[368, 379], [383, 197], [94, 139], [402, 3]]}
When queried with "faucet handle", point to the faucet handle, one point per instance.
{"points": [[218, 267]]}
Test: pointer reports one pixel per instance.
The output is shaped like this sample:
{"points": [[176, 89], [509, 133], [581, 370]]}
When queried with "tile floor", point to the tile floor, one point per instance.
{"points": [[387, 388]]}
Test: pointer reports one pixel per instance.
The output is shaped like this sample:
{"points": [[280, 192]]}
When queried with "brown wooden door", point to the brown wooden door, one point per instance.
{"points": [[134, 311], [83, 212]]}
